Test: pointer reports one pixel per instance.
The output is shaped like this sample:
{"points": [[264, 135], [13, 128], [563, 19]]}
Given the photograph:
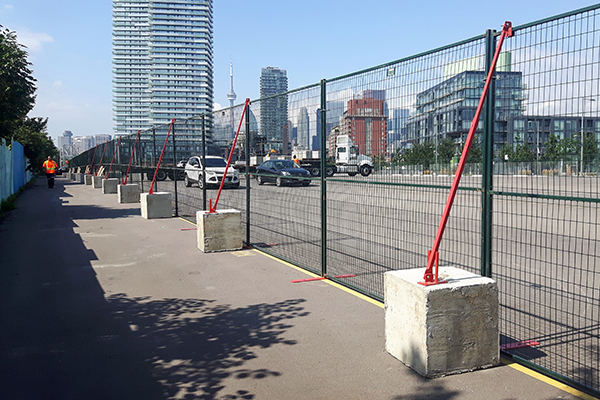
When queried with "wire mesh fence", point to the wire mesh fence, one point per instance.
{"points": [[382, 146], [545, 221]]}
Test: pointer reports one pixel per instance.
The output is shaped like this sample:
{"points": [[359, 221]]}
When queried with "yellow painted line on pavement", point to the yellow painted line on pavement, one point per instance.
{"points": [[548, 380], [328, 281], [512, 364], [183, 219]]}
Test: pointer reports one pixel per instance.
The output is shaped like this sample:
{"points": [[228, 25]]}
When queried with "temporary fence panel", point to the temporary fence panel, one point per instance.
{"points": [[546, 206], [286, 216], [396, 114]]}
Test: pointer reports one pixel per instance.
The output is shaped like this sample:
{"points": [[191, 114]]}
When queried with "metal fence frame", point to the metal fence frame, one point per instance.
{"points": [[321, 234]]}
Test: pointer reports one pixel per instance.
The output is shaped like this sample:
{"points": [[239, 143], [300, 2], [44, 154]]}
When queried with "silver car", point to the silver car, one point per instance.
{"points": [[215, 168]]}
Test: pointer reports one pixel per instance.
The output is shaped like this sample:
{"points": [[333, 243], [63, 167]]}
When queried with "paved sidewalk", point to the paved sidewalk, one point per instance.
{"points": [[99, 303]]}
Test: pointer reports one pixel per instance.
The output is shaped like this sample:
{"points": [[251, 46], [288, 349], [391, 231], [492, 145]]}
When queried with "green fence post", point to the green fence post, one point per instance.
{"points": [[203, 162], [323, 179], [248, 143], [488, 157], [175, 170]]}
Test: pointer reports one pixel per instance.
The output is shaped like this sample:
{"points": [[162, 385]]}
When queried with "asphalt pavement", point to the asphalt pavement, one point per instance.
{"points": [[98, 303]]}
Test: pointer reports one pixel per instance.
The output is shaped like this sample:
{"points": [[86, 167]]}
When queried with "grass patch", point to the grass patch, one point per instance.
{"points": [[8, 204]]}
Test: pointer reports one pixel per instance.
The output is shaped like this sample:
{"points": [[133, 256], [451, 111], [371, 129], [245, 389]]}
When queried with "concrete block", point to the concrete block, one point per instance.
{"points": [[97, 181], [156, 205], [88, 179], [109, 186], [442, 329], [219, 231], [79, 177], [128, 193]]}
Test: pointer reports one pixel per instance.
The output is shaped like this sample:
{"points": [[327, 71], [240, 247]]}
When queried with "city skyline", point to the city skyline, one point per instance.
{"points": [[71, 51]]}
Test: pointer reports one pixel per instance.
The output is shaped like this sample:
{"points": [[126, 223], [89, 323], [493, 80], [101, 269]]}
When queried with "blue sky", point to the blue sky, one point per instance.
{"points": [[69, 44]]}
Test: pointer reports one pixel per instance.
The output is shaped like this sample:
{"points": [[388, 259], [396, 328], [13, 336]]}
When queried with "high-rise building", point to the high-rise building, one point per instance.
{"points": [[66, 139], [303, 132], [82, 143], [274, 109], [366, 124], [162, 61], [447, 109]]}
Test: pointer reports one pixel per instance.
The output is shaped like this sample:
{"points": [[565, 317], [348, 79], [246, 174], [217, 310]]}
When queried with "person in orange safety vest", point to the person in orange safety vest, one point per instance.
{"points": [[50, 167]]}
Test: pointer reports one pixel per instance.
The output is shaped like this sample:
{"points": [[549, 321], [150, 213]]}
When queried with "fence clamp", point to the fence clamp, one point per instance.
{"points": [[431, 278]]}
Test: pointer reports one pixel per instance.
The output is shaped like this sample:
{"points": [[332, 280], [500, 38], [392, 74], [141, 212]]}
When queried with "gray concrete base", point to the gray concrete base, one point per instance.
{"points": [[109, 186], [442, 329], [97, 181], [79, 177], [219, 231], [129, 193], [88, 179], [156, 205]]}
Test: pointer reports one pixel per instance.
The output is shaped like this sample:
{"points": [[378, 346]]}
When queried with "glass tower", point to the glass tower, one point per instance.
{"points": [[274, 109], [162, 62]]}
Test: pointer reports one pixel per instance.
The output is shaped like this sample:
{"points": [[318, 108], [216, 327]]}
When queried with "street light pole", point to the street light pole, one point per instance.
{"points": [[582, 114], [537, 147]]}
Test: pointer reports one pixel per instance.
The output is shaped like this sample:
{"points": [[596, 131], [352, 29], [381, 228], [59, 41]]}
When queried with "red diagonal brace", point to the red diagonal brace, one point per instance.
{"points": [[320, 278], [131, 158], [211, 208], [101, 158], [429, 278], [151, 191], [113, 158], [93, 158]]}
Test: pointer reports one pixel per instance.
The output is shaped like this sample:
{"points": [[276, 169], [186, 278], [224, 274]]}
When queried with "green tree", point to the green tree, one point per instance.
{"points": [[590, 147], [446, 149], [420, 154], [476, 152], [519, 152], [554, 149], [32, 134], [17, 85], [506, 153], [523, 153], [379, 161]]}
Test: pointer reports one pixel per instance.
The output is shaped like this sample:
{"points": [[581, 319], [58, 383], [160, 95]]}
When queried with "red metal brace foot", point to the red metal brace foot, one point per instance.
{"points": [[431, 278]]}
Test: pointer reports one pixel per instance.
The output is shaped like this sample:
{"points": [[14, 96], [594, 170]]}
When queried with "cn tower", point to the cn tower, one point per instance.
{"points": [[231, 96]]}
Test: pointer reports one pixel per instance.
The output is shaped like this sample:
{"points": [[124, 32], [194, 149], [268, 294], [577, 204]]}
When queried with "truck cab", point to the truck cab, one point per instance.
{"points": [[348, 159]]}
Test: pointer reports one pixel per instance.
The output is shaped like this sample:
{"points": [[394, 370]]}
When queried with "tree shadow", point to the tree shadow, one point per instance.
{"points": [[437, 392], [192, 345]]}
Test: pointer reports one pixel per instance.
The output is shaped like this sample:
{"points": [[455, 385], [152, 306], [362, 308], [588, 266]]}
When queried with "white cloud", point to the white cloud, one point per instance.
{"points": [[33, 40], [57, 84], [217, 106], [8, 6]]}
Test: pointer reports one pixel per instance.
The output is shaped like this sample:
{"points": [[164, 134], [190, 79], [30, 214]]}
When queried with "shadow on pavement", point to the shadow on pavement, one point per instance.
{"points": [[193, 345], [61, 338]]}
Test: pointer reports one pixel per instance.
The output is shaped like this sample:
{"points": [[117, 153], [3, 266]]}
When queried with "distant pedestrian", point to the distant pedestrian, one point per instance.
{"points": [[50, 167], [296, 160]]}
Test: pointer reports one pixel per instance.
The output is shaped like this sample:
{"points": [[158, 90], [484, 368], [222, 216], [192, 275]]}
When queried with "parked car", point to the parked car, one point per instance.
{"points": [[215, 168], [282, 172]]}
